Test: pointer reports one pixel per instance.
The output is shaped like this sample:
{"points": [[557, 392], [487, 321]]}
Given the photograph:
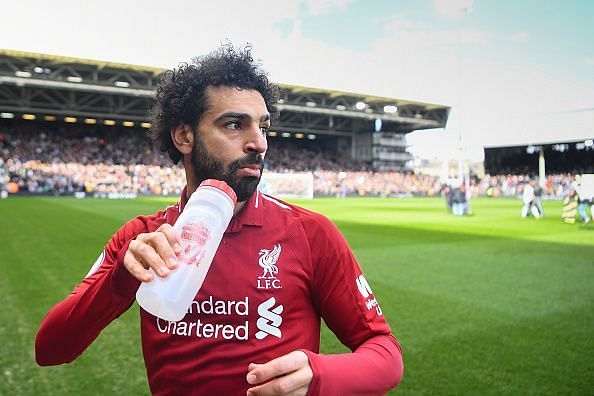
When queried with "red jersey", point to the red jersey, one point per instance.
{"points": [[278, 269]]}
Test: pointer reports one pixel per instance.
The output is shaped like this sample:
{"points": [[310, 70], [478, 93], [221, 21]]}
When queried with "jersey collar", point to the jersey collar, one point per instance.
{"points": [[251, 214]]}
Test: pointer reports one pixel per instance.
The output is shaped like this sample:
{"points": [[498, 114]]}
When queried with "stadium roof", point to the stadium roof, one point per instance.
{"points": [[68, 86], [156, 71], [81, 61]]}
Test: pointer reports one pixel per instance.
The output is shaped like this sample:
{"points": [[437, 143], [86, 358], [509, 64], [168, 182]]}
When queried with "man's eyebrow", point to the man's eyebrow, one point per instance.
{"points": [[241, 116]]}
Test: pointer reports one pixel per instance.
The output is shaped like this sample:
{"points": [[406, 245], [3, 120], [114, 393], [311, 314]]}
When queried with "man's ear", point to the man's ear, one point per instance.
{"points": [[183, 138]]}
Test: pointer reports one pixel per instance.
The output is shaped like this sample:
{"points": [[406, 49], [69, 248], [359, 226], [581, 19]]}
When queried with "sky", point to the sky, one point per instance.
{"points": [[513, 71]]}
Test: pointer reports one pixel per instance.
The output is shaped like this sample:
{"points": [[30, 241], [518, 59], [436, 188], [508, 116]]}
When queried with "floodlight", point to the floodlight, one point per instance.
{"points": [[128, 123], [299, 135], [90, 121], [311, 137], [310, 104], [588, 143], [360, 105], [29, 117], [109, 122], [285, 134], [145, 124], [24, 74], [561, 147], [532, 149], [340, 107], [121, 84], [70, 120], [6, 115], [74, 79], [391, 109], [49, 118]]}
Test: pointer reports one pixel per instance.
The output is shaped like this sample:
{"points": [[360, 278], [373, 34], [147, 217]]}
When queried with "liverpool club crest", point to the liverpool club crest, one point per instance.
{"points": [[267, 261]]}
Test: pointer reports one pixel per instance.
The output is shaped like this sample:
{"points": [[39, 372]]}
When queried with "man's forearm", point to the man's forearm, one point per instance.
{"points": [[74, 323]]}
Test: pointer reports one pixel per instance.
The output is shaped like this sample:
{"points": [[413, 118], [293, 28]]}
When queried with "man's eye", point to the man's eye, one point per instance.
{"points": [[233, 125], [264, 129]]}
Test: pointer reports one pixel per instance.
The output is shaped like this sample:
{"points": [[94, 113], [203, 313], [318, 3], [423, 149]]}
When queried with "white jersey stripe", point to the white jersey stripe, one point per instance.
{"points": [[282, 205], [170, 206]]}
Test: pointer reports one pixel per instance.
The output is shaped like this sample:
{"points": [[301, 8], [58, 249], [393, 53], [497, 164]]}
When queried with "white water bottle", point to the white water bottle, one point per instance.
{"points": [[201, 226]]}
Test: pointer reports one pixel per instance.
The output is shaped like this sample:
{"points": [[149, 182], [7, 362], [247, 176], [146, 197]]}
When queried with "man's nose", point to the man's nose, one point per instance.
{"points": [[256, 141]]}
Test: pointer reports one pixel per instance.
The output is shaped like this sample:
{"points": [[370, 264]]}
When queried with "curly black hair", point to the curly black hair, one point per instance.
{"points": [[181, 93]]}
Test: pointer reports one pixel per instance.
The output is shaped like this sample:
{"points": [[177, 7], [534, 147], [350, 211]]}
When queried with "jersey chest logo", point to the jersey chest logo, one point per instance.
{"points": [[270, 319], [268, 259]]}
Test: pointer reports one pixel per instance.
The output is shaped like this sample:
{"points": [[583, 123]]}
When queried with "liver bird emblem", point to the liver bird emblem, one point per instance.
{"points": [[268, 260]]}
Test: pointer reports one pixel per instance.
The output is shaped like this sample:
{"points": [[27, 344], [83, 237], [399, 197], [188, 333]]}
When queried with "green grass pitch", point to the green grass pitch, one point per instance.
{"points": [[490, 304]]}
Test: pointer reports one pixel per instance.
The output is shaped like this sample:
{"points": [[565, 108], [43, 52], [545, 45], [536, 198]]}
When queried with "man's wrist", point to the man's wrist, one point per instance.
{"points": [[123, 283], [314, 386]]}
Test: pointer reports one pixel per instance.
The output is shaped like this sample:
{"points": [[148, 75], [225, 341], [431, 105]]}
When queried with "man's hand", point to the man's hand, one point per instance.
{"points": [[287, 375], [156, 250]]}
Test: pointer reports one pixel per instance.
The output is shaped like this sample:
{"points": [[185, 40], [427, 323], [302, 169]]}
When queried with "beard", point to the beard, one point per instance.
{"points": [[207, 166]]}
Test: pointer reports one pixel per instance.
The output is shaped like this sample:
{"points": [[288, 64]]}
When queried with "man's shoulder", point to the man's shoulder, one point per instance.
{"points": [[307, 217]]}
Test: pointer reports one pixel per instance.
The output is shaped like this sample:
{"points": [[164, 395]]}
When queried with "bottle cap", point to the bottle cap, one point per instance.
{"points": [[221, 185]]}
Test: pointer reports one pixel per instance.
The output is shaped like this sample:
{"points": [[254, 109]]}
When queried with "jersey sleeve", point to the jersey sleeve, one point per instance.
{"points": [[346, 302], [341, 294], [105, 293], [372, 369]]}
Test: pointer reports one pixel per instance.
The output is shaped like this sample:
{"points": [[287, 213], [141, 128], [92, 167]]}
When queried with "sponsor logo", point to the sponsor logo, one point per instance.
{"points": [[203, 328], [270, 319], [200, 329], [225, 319], [96, 264], [267, 261], [365, 290]]}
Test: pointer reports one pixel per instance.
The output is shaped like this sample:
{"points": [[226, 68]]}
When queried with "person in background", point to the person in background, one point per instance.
{"points": [[458, 200], [584, 202], [538, 192], [447, 193], [570, 203], [468, 198], [528, 198]]}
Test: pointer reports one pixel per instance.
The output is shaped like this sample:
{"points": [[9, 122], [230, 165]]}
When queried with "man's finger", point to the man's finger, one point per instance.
{"points": [[253, 366], [136, 269], [277, 367], [172, 236], [294, 383], [147, 256], [162, 246]]}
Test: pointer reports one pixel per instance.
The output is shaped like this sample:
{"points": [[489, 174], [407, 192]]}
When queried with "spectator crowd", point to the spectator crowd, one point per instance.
{"points": [[65, 162]]}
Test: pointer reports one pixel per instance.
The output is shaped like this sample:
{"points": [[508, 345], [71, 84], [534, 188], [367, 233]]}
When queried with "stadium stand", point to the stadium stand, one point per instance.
{"points": [[69, 159]]}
